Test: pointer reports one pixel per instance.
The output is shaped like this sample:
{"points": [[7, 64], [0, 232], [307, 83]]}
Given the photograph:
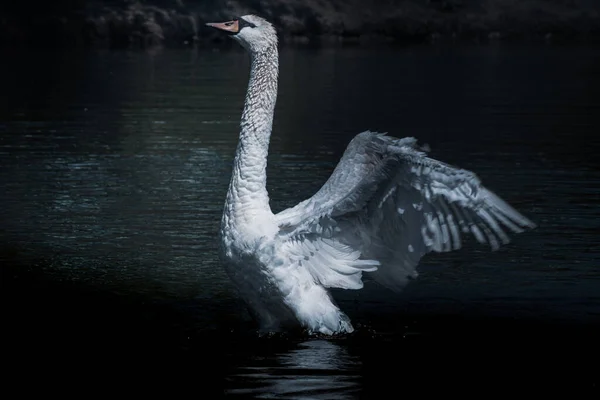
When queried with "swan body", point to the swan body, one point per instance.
{"points": [[385, 205]]}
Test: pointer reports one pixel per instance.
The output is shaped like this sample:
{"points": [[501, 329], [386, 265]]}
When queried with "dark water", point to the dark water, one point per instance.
{"points": [[114, 167]]}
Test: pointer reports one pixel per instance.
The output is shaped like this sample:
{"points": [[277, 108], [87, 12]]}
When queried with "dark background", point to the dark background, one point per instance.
{"points": [[124, 23]]}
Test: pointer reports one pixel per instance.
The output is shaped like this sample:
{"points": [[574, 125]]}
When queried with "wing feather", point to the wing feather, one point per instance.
{"points": [[385, 206]]}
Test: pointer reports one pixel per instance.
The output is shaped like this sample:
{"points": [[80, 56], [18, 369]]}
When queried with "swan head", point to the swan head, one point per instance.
{"points": [[254, 33]]}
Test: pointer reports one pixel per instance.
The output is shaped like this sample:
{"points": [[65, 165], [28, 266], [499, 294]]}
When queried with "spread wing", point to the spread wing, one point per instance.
{"points": [[385, 206]]}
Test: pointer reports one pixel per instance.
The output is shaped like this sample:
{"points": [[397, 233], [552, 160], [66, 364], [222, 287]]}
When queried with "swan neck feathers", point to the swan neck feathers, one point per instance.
{"points": [[247, 198]]}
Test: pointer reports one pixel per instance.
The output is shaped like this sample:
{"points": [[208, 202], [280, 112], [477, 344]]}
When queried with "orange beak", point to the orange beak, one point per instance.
{"points": [[231, 27]]}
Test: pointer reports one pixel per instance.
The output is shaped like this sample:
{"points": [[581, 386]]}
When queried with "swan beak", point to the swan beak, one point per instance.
{"points": [[230, 27]]}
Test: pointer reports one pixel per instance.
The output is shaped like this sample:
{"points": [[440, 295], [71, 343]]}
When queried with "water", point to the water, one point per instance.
{"points": [[114, 171]]}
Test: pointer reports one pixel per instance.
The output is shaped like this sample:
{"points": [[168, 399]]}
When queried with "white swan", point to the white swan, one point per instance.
{"points": [[385, 205]]}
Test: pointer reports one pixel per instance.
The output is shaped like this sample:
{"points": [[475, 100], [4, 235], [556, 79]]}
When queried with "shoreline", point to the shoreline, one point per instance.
{"points": [[170, 23]]}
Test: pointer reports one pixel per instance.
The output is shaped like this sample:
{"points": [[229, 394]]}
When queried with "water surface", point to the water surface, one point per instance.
{"points": [[114, 171]]}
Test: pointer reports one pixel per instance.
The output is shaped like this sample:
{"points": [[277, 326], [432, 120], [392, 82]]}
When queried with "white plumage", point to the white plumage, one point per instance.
{"points": [[385, 205]]}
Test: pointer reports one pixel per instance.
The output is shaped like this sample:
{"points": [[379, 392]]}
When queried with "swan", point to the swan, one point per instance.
{"points": [[385, 206]]}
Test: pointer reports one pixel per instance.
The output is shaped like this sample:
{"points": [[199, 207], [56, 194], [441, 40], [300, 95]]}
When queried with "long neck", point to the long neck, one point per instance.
{"points": [[247, 189]]}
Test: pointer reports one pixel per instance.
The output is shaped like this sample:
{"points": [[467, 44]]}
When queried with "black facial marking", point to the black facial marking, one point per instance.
{"points": [[242, 23]]}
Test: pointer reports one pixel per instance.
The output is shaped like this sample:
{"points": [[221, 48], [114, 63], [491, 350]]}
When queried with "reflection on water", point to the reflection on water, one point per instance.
{"points": [[314, 369]]}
